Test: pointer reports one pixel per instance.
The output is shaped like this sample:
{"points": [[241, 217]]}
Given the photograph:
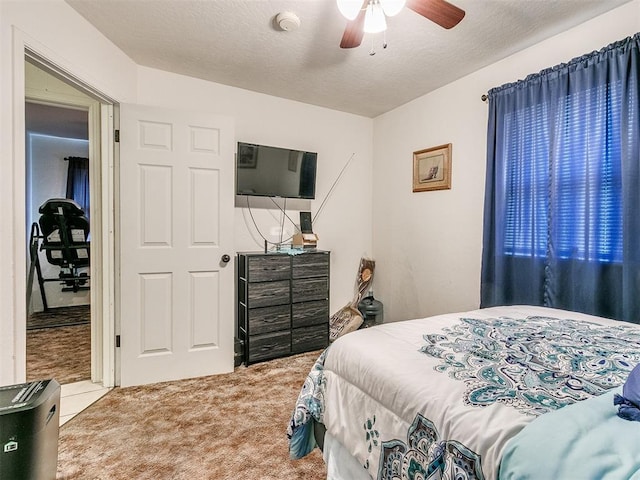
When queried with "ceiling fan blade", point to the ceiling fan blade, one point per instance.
{"points": [[439, 11], [354, 31]]}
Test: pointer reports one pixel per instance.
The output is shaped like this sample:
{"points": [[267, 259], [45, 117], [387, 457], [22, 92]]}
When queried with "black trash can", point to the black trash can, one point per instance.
{"points": [[29, 419], [371, 310]]}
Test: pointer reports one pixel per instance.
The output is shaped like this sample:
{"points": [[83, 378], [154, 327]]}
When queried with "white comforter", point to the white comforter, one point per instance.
{"points": [[419, 399]]}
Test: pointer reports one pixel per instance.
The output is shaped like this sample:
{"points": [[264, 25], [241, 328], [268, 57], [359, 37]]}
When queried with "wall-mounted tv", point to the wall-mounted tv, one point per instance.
{"points": [[267, 171]]}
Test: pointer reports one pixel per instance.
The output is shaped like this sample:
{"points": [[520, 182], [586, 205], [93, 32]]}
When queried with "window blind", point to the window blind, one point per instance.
{"points": [[578, 166]]}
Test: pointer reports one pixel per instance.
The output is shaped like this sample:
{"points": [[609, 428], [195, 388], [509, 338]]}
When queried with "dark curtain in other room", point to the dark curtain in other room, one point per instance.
{"points": [[78, 182]]}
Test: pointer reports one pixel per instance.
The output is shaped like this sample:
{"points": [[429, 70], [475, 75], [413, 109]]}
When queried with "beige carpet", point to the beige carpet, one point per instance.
{"points": [[63, 353], [230, 426]]}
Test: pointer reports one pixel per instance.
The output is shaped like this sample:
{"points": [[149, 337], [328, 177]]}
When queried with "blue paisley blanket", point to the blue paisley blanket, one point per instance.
{"points": [[441, 397]]}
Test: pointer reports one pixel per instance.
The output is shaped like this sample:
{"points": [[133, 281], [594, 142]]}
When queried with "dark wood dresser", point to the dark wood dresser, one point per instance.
{"points": [[283, 303]]}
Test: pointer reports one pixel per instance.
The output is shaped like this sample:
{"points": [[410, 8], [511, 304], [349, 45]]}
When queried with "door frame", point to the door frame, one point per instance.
{"points": [[103, 225], [92, 107]]}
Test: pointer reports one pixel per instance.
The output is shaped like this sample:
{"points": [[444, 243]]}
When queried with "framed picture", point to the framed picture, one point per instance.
{"points": [[247, 156], [432, 168]]}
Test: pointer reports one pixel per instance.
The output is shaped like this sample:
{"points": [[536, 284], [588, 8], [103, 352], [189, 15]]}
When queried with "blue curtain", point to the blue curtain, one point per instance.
{"points": [[78, 182], [562, 197]]}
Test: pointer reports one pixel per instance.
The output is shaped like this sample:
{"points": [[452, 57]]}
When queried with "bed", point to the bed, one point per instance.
{"points": [[499, 393]]}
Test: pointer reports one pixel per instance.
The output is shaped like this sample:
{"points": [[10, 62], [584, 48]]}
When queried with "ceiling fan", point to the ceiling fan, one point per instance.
{"points": [[369, 16]]}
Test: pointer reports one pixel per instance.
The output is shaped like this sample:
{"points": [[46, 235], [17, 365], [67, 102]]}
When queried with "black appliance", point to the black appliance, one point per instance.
{"points": [[29, 419]]}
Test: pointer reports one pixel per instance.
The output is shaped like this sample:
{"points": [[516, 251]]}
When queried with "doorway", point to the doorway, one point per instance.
{"points": [[69, 155], [58, 289]]}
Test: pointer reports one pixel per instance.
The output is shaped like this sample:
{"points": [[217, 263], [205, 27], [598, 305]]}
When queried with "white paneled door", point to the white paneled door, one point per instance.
{"points": [[176, 238]]}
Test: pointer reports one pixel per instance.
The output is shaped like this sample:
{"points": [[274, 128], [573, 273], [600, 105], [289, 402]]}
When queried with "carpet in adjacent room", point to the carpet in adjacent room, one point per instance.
{"points": [[60, 317], [63, 353]]}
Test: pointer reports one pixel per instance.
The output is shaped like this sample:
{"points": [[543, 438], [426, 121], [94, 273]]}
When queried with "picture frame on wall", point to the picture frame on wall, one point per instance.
{"points": [[247, 156], [432, 168]]}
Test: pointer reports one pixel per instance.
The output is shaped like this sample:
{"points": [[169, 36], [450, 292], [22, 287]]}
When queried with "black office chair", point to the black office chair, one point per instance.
{"points": [[63, 233]]}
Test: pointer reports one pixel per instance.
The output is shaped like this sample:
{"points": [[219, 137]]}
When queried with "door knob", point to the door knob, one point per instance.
{"points": [[225, 258]]}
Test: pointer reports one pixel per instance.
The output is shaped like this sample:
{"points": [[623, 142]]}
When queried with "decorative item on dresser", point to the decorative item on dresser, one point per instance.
{"points": [[283, 303]]}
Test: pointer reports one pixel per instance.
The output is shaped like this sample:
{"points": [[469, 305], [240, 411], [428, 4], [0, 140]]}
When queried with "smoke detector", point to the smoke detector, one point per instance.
{"points": [[288, 21]]}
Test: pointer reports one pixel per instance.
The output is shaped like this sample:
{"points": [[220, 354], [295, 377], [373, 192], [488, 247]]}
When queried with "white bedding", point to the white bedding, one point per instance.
{"points": [[340, 464], [418, 399]]}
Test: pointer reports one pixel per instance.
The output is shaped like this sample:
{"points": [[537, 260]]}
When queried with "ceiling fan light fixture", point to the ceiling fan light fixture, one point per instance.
{"points": [[392, 7], [371, 16], [374, 20], [349, 8]]}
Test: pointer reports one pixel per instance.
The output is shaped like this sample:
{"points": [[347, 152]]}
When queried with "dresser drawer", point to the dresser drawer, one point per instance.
{"points": [[305, 314], [265, 294], [282, 299], [269, 319], [269, 267], [310, 265], [309, 338], [270, 345], [305, 289]]}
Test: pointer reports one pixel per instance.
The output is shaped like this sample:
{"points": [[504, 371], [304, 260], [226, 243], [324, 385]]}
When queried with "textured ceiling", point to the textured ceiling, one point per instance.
{"points": [[237, 42]]}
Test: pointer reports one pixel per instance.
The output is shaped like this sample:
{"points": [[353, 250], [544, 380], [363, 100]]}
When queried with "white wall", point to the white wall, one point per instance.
{"points": [[48, 179], [344, 225], [429, 244]]}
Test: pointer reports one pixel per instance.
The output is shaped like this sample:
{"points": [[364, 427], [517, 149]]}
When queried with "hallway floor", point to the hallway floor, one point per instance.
{"points": [[75, 397]]}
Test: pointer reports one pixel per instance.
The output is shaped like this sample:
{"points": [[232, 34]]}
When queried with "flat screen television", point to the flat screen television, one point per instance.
{"points": [[266, 171]]}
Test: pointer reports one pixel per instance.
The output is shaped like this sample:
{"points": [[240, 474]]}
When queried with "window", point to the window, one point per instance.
{"points": [[562, 195], [581, 163]]}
